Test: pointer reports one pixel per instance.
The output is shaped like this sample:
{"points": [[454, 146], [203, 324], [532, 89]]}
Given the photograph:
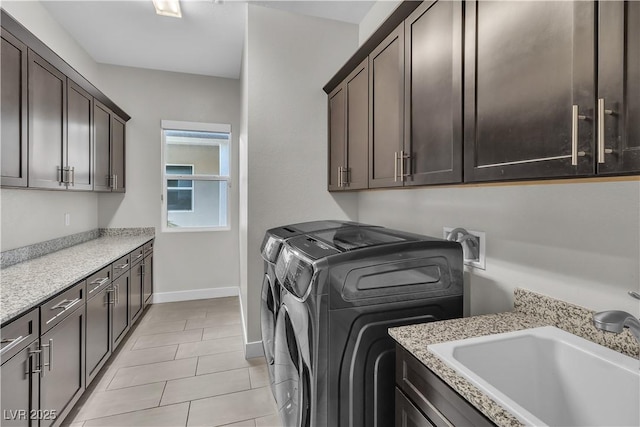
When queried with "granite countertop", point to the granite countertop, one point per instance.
{"points": [[531, 310], [415, 339], [27, 284]]}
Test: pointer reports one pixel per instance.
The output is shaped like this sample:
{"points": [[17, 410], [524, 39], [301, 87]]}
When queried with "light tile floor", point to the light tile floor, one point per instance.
{"points": [[182, 365]]}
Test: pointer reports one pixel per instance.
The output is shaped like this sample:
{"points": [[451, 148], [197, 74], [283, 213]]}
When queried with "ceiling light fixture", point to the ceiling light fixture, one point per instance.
{"points": [[168, 8]]}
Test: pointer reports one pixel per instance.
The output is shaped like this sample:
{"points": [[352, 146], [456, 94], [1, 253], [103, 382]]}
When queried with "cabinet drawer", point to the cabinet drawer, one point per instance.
{"points": [[121, 266], [19, 333], [137, 255], [148, 248], [407, 415], [439, 402], [98, 281], [58, 308]]}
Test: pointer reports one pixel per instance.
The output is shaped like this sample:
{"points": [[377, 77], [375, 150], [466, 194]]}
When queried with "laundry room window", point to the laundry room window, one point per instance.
{"points": [[195, 176]]}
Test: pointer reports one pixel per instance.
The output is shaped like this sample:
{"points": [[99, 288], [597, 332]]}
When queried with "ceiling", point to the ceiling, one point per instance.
{"points": [[207, 40]]}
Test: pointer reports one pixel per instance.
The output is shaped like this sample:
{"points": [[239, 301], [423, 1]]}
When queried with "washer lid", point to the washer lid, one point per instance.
{"points": [[352, 238], [274, 237]]}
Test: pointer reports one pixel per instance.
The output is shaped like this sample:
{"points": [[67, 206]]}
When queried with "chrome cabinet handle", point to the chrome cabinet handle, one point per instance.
{"points": [[122, 266], [346, 181], [395, 166], [60, 175], [14, 342], [37, 353], [339, 176], [98, 282], [575, 116], [72, 169], [117, 294], [139, 256], [108, 293], [601, 137], [50, 364], [65, 304]]}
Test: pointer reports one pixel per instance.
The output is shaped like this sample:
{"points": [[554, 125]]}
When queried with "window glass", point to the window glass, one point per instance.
{"points": [[196, 176]]}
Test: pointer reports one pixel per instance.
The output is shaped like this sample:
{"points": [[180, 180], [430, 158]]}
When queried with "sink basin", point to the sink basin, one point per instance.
{"points": [[546, 376]]}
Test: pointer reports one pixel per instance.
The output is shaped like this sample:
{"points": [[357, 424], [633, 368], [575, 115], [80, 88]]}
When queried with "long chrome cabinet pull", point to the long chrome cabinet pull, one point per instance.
{"points": [[395, 166], [339, 176], [98, 282], [575, 116], [601, 138], [403, 156], [38, 353], [49, 365], [12, 343], [122, 266]]}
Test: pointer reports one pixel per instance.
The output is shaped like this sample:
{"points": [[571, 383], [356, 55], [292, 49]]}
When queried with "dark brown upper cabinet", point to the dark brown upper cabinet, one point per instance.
{"points": [[117, 154], [386, 112], [47, 124], [348, 131], [337, 137], [13, 116], [433, 94], [618, 105], [529, 90], [109, 138], [79, 162]]}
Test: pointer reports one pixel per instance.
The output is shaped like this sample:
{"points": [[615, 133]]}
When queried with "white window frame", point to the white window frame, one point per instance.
{"points": [[181, 177], [203, 127]]}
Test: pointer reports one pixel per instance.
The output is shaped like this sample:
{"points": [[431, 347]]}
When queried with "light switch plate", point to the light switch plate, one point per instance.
{"points": [[482, 241]]}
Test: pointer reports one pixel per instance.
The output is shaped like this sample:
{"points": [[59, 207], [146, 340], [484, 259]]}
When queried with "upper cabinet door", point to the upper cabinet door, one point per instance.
{"points": [[102, 147], [47, 124], [433, 93], [118, 160], [13, 116], [386, 111], [529, 89], [618, 111], [357, 86], [337, 138], [79, 138]]}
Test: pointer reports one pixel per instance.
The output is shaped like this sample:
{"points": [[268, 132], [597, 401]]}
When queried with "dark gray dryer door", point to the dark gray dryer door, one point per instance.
{"points": [[292, 373], [268, 316]]}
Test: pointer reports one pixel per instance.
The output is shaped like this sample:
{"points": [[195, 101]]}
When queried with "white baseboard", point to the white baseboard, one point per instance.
{"points": [[251, 349], [230, 291]]}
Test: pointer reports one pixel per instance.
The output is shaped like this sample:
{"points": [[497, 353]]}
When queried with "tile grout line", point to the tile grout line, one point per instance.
{"points": [[162, 394], [186, 423]]}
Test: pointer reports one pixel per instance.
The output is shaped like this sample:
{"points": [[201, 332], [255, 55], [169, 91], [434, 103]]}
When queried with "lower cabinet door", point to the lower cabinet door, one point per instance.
{"points": [[408, 415], [148, 279], [120, 309], [135, 295], [98, 325], [62, 380], [20, 387]]}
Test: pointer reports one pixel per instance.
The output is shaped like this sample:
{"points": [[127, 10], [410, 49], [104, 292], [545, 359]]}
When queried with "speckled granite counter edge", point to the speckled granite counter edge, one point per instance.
{"points": [[26, 253], [26, 285], [531, 310]]}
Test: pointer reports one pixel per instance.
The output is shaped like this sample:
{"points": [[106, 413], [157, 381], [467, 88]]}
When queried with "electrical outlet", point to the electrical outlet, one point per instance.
{"points": [[479, 262], [67, 219]]}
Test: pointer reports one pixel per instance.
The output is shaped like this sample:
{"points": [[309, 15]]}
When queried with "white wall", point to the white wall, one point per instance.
{"points": [[376, 15], [183, 261], [577, 242], [34, 216], [290, 58]]}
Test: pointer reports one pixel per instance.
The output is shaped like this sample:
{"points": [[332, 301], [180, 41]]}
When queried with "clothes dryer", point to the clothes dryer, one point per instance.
{"points": [[334, 360], [271, 290]]}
